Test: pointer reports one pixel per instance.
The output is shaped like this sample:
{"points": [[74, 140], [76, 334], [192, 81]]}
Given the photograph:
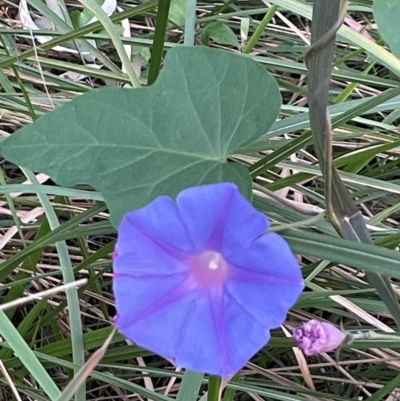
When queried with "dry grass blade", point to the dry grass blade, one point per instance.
{"points": [[9, 381], [42, 294]]}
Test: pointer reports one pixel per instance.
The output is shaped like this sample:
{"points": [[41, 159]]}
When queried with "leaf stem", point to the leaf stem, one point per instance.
{"points": [[214, 388]]}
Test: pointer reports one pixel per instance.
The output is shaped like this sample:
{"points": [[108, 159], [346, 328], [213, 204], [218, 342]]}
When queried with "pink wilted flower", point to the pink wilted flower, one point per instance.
{"points": [[314, 337], [199, 280]]}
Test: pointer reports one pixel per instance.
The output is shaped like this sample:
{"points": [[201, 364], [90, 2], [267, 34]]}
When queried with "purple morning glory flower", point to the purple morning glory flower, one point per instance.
{"points": [[315, 337], [199, 280]]}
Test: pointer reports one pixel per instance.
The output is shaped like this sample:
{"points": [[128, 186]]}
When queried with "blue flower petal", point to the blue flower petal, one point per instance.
{"points": [[186, 333], [218, 217], [160, 219], [269, 255], [246, 334], [200, 330], [168, 324], [265, 279], [152, 240], [200, 282], [137, 297], [204, 345], [220, 337]]}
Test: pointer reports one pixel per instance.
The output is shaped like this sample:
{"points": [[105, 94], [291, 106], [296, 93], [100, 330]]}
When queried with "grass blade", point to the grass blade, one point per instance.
{"points": [[159, 36], [85, 370], [27, 357], [190, 386]]}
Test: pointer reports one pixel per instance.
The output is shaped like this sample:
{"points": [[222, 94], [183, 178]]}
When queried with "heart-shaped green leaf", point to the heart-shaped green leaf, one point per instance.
{"points": [[136, 144], [220, 33]]}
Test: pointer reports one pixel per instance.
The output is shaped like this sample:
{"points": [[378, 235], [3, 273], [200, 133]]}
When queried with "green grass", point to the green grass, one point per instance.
{"points": [[52, 235]]}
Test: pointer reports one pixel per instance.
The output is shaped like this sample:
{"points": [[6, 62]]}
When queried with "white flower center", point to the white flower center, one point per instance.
{"points": [[209, 268], [215, 261]]}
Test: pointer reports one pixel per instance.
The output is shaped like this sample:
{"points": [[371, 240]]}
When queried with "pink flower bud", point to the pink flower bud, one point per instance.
{"points": [[315, 337]]}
